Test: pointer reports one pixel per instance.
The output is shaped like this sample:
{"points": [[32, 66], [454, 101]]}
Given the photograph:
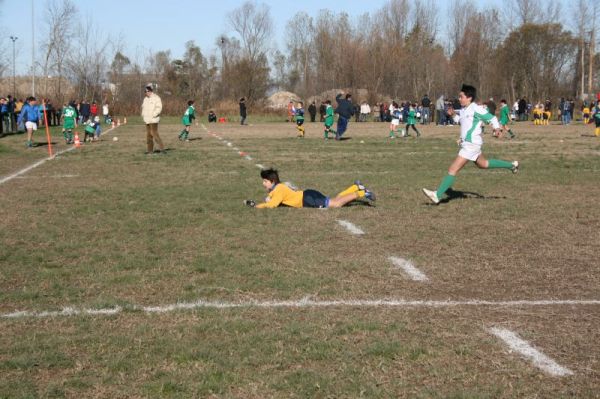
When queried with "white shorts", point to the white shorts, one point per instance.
{"points": [[469, 151], [395, 122], [31, 125]]}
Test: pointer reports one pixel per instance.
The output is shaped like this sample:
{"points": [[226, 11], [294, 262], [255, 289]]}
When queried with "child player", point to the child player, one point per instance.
{"points": [[470, 116], [188, 118], [69, 122], [596, 116], [328, 119], [586, 114], [504, 119], [395, 112], [281, 194], [411, 120], [300, 119]]}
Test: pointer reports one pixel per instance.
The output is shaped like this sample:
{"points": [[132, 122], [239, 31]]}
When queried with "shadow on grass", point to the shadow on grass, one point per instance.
{"points": [[452, 195], [359, 203], [588, 135], [195, 138], [42, 144]]}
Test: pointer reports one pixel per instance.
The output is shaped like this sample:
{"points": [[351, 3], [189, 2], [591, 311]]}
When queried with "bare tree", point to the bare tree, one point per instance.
{"points": [[254, 25], [57, 42]]}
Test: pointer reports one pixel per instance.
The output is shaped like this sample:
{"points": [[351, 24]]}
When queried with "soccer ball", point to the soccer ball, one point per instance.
{"points": [[115, 138]]}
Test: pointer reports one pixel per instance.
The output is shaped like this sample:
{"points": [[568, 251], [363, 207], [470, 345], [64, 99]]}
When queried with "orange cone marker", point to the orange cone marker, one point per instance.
{"points": [[77, 142]]}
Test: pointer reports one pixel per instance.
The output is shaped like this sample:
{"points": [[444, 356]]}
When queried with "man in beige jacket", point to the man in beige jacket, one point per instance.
{"points": [[151, 109]]}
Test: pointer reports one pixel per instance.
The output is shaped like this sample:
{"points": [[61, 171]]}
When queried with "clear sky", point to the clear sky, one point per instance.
{"points": [[156, 25]]}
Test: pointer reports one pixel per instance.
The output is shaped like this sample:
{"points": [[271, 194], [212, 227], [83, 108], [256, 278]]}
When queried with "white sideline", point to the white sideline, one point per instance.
{"points": [[523, 347], [352, 228], [408, 268], [305, 302], [40, 162]]}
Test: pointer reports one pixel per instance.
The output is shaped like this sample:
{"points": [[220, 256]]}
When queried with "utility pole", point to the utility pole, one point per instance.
{"points": [[583, 66], [14, 93], [591, 66], [32, 51]]}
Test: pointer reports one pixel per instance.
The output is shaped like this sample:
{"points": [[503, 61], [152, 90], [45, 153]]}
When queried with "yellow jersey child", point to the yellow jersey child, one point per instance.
{"points": [[280, 194]]}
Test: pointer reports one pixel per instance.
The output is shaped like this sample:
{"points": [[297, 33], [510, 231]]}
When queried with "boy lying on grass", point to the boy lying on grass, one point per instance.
{"points": [[281, 194]]}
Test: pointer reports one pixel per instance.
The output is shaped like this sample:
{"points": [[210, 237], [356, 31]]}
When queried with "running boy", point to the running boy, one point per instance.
{"points": [[470, 117], [586, 114], [188, 118], [281, 194], [300, 119], [328, 119], [411, 120], [504, 119], [69, 122], [395, 112]]}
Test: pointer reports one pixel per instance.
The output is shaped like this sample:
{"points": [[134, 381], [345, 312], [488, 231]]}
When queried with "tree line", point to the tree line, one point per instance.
{"points": [[400, 51]]}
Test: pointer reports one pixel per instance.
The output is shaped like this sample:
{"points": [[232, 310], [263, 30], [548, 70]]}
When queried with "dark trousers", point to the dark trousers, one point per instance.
{"points": [[342, 125]]}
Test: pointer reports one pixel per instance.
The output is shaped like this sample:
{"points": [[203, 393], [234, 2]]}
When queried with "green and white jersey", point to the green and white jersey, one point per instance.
{"points": [[188, 116], [69, 116], [504, 118], [471, 119], [329, 115]]}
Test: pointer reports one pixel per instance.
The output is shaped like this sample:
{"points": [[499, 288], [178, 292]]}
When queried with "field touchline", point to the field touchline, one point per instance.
{"points": [[306, 302], [525, 349], [352, 228], [408, 268], [40, 162]]}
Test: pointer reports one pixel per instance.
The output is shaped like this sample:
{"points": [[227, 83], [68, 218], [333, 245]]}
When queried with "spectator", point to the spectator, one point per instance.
{"points": [[376, 113], [312, 110], [94, 110], [291, 111], [3, 116], [11, 114], [18, 107], [322, 111], [151, 109], [522, 109], [425, 104], [105, 112], [439, 109], [242, 110], [491, 106], [212, 117], [365, 111], [84, 111]]}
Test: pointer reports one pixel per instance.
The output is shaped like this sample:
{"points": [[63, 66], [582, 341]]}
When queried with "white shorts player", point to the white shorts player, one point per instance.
{"points": [[31, 125]]}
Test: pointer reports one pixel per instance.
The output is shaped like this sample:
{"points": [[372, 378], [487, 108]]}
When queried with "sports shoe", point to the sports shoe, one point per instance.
{"points": [[370, 195], [432, 195], [515, 166], [360, 185]]}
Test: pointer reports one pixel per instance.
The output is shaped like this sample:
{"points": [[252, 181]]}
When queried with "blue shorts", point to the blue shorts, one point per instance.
{"points": [[314, 199]]}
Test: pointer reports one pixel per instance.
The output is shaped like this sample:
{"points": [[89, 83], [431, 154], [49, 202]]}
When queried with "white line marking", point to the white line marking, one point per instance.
{"points": [[526, 350], [305, 302], [40, 162], [408, 268], [248, 157], [352, 228], [259, 166]]}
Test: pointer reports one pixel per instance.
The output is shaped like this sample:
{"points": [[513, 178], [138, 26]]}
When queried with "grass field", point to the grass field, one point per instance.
{"points": [[106, 227]]}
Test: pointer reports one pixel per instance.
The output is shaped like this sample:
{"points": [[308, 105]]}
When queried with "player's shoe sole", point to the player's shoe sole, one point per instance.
{"points": [[432, 195]]}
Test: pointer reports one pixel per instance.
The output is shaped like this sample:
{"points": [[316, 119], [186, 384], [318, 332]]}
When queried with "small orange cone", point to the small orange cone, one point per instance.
{"points": [[77, 142], [125, 120], [118, 122]]}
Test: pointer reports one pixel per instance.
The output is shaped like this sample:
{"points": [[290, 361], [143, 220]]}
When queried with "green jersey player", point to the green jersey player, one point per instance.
{"points": [[69, 122], [188, 118]]}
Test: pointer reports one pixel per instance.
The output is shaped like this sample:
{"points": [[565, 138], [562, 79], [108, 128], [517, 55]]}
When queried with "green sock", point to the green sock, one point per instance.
{"points": [[498, 163], [391, 133], [325, 133], [446, 183]]}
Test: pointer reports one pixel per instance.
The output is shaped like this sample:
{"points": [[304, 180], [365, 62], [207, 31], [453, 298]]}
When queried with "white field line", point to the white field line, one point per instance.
{"points": [[302, 303], [525, 349], [40, 162], [408, 268], [352, 228], [259, 166]]}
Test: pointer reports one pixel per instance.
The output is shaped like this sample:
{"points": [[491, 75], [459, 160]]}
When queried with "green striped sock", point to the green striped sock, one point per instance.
{"points": [[499, 164], [446, 183]]}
